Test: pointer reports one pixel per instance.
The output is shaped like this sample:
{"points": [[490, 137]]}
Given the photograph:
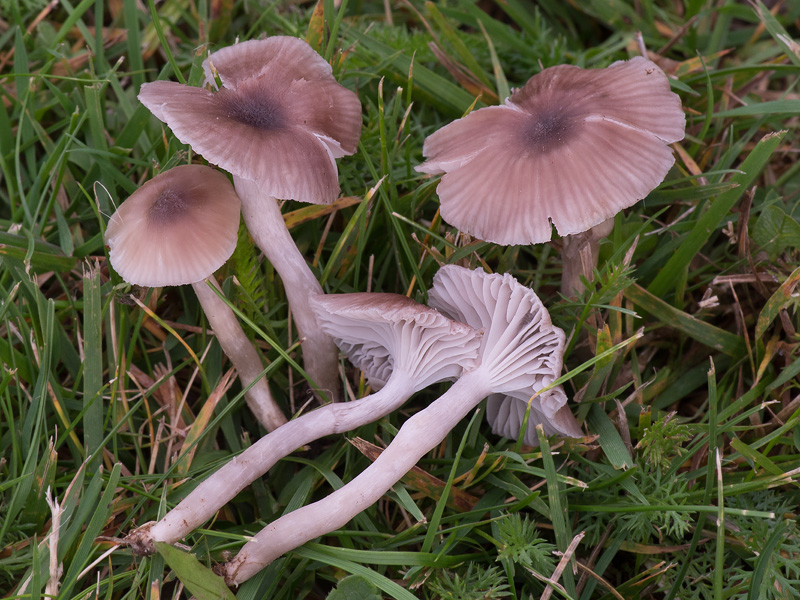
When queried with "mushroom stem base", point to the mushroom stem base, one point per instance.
{"points": [[579, 255]]}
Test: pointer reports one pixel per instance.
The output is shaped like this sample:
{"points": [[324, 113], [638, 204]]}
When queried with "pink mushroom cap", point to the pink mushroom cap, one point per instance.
{"points": [[178, 228], [569, 149], [280, 118]]}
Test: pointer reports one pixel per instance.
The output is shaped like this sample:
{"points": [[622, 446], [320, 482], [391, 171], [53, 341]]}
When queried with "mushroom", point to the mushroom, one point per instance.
{"points": [[453, 295], [505, 414], [401, 345], [569, 149], [179, 228], [520, 351], [277, 125]]}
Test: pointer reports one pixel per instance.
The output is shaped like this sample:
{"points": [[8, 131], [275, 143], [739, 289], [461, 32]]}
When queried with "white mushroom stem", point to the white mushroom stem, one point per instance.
{"points": [[239, 349], [579, 255], [221, 487], [520, 351], [265, 223], [418, 435]]}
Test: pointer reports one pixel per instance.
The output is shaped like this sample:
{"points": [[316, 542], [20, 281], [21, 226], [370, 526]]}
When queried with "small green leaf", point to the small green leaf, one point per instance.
{"points": [[316, 27], [756, 458], [201, 581], [662, 441], [775, 231], [777, 301], [35, 509], [519, 541], [609, 439], [354, 587]]}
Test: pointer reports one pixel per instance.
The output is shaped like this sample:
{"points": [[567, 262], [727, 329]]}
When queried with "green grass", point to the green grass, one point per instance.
{"points": [[686, 486]]}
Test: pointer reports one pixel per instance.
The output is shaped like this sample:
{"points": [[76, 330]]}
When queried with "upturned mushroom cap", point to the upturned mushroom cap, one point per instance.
{"points": [[177, 228], [280, 117], [506, 413], [385, 333], [520, 347], [571, 148]]}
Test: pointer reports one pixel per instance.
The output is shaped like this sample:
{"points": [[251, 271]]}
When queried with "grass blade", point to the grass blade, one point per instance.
{"points": [[93, 362], [705, 333]]}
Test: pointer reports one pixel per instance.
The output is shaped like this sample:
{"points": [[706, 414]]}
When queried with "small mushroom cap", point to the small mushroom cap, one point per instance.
{"points": [[571, 148], [505, 415], [177, 228], [383, 334], [521, 348], [280, 119]]}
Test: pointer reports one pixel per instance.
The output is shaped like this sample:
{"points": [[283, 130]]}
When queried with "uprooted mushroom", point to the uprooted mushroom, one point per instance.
{"points": [[520, 353]]}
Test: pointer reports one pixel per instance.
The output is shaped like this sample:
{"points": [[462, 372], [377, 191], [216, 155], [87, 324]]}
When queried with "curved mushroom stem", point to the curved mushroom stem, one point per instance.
{"points": [[265, 223], [240, 351], [221, 487], [418, 436], [579, 255]]}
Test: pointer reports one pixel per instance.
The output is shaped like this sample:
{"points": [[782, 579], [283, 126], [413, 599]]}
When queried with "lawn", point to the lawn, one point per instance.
{"points": [[682, 353]]}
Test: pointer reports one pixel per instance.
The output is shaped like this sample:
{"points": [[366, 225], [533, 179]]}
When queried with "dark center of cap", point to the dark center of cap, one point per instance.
{"points": [[170, 205], [547, 131], [258, 111]]}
